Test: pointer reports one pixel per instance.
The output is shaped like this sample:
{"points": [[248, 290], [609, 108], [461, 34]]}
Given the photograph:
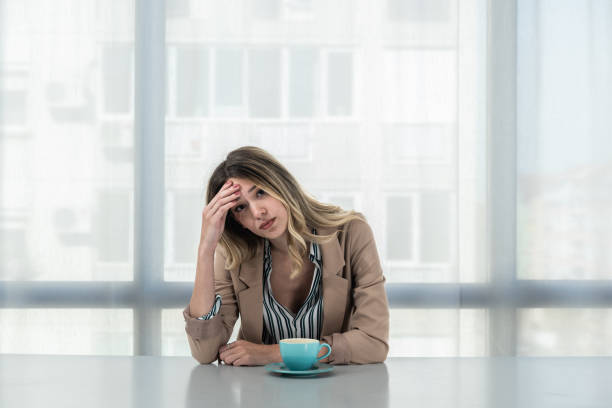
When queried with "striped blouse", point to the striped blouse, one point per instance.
{"points": [[280, 323]]}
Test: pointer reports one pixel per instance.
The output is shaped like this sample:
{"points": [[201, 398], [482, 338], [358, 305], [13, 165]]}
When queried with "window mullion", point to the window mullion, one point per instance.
{"points": [[501, 137], [149, 185]]}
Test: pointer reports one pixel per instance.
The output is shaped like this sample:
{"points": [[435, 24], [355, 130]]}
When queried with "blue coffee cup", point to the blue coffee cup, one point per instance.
{"points": [[301, 354]]}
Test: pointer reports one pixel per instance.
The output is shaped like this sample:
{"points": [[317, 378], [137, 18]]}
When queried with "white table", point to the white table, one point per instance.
{"points": [[90, 381]]}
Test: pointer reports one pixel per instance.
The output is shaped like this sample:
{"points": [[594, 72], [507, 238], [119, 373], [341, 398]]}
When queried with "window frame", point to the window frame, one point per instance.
{"points": [[148, 294]]}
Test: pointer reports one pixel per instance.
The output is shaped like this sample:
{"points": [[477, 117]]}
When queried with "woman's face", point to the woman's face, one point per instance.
{"points": [[258, 211]]}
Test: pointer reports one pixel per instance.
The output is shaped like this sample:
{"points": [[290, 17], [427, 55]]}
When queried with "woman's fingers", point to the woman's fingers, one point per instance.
{"points": [[229, 357], [221, 203], [225, 191]]}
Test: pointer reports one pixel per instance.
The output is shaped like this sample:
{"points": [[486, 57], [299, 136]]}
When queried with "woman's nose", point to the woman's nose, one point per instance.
{"points": [[258, 211]]}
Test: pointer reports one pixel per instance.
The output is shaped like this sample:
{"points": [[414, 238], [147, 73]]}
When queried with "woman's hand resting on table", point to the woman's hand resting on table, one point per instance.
{"points": [[245, 353]]}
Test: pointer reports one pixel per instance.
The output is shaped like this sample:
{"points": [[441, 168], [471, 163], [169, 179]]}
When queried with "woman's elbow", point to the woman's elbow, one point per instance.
{"points": [[379, 353], [203, 355]]}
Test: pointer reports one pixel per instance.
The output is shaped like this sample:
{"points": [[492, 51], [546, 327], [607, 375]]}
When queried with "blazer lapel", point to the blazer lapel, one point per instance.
{"points": [[335, 287], [251, 298]]}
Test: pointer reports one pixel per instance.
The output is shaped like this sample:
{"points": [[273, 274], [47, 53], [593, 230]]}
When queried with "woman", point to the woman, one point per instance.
{"points": [[289, 265]]}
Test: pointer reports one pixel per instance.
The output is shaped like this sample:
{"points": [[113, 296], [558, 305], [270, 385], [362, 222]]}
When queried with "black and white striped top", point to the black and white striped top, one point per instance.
{"points": [[280, 323]]}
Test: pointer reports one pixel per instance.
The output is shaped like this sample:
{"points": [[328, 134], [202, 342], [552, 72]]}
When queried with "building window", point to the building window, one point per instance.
{"points": [[339, 84], [285, 141], [421, 86], [303, 82], [434, 227], [117, 74], [14, 99], [400, 228], [177, 9], [192, 87], [266, 9], [264, 83], [411, 143], [114, 226], [418, 11], [13, 255], [228, 79], [185, 207], [282, 9]]}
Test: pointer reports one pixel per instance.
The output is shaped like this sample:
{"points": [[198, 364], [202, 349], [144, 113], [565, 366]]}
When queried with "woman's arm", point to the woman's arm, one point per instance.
{"points": [[206, 336], [367, 337]]}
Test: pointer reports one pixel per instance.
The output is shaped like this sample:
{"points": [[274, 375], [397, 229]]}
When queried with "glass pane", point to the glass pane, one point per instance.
{"points": [[421, 86], [67, 331], [340, 84], [564, 332], [265, 9], [228, 74], [302, 82], [344, 202], [435, 228], [117, 78], [114, 226], [418, 11], [192, 87], [395, 131], [564, 144], [177, 8], [264, 83], [66, 140], [400, 228], [285, 142], [186, 230], [411, 143], [437, 333], [13, 105]]}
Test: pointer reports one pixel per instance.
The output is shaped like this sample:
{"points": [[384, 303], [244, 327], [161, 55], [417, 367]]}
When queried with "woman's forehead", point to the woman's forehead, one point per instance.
{"points": [[244, 183]]}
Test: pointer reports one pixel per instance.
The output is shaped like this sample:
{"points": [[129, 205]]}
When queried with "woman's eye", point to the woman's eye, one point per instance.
{"points": [[238, 208], [260, 191]]}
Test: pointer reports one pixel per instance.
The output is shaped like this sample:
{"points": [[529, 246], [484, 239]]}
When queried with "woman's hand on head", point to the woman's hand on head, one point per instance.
{"points": [[215, 212], [245, 353]]}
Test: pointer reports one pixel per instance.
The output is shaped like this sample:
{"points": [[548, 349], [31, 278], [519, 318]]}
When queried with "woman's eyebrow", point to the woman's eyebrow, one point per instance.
{"points": [[249, 192]]}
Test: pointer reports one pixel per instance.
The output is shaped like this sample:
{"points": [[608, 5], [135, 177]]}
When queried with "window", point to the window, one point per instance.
{"points": [[185, 208], [421, 85], [13, 246], [435, 229], [426, 129], [117, 78], [418, 11], [264, 83], [288, 142], [287, 9], [400, 228], [113, 227], [419, 143], [192, 88], [266, 9], [303, 82], [13, 100], [339, 84], [228, 80]]}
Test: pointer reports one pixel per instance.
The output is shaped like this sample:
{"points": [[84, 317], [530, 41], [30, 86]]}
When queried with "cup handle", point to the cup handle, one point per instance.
{"points": [[326, 354]]}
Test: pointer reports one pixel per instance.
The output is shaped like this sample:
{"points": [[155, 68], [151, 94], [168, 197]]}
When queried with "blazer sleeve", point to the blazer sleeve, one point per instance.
{"points": [[206, 336], [367, 338]]}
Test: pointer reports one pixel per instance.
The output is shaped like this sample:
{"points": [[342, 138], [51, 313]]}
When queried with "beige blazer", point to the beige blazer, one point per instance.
{"points": [[355, 307]]}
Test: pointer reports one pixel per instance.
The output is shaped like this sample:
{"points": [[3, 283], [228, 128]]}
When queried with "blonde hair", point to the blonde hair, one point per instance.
{"points": [[304, 212]]}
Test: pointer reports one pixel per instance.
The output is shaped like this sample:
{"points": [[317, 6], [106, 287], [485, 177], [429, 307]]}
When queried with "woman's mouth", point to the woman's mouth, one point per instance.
{"points": [[268, 224]]}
